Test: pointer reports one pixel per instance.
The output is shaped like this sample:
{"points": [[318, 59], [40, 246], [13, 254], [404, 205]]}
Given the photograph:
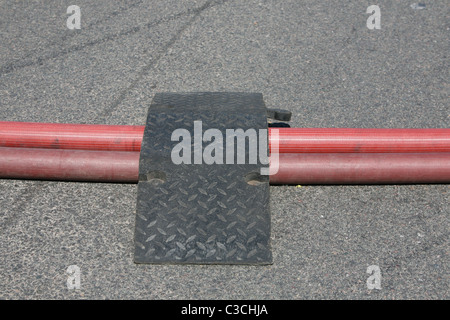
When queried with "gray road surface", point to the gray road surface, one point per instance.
{"points": [[316, 58]]}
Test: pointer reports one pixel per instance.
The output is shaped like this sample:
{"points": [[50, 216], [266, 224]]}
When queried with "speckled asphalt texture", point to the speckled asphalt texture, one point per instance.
{"points": [[316, 58]]}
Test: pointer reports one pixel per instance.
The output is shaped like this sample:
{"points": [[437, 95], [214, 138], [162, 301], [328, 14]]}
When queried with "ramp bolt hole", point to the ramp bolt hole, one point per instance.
{"points": [[256, 179], [155, 176]]}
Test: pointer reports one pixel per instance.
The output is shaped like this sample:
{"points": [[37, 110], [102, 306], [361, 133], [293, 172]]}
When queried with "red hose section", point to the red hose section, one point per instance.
{"points": [[362, 168], [71, 136], [330, 140], [312, 168], [69, 165], [291, 140]]}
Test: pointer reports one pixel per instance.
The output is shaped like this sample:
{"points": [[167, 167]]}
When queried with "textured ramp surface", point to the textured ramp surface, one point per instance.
{"points": [[200, 213]]}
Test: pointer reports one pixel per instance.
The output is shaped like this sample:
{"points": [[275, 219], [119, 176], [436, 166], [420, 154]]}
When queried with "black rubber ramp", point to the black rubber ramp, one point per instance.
{"points": [[201, 213]]}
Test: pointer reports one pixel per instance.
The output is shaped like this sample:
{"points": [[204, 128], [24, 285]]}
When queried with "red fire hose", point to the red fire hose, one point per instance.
{"points": [[70, 136], [307, 156], [301, 168], [291, 140], [362, 168], [69, 165]]}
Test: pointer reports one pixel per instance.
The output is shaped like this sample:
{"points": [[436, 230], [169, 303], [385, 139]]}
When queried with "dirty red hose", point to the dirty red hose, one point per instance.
{"points": [[69, 165], [362, 168], [307, 168], [337, 140], [291, 140], [70, 136]]}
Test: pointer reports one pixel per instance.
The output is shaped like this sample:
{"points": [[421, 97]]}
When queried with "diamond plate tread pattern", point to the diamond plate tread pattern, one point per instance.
{"points": [[205, 214]]}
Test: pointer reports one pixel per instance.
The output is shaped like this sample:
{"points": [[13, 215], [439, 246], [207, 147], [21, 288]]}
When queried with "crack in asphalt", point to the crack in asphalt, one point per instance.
{"points": [[195, 12], [20, 203], [15, 66]]}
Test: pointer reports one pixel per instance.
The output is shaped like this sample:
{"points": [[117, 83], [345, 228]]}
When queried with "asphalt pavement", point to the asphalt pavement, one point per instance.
{"points": [[318, 59]]}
